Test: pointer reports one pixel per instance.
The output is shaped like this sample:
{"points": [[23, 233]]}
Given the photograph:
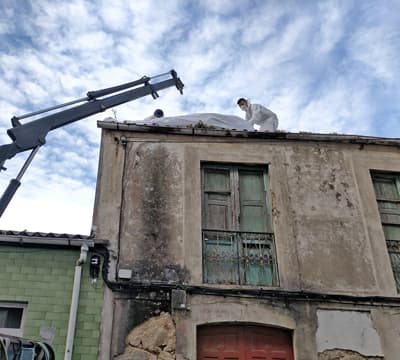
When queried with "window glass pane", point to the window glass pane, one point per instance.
{"points": [[11, 317], [14, 318]]}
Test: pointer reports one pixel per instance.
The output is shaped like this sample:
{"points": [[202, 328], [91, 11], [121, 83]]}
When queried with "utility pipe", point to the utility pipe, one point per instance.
{"points": [[74, 302]]}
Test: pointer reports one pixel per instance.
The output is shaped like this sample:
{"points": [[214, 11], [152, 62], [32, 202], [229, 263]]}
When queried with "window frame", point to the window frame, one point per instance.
{"points": [[234, 169], [393, 245], [19, 332], [234, 181]]}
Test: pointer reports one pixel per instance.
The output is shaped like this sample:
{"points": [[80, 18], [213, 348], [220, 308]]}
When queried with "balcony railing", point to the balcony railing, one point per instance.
{"points": [[237, 257], [394, 254]]}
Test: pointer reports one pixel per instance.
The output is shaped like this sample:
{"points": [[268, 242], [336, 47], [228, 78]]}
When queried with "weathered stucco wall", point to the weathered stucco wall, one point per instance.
{"points": [[326, 223], [328, 233], [356, 333], [152, 212], [333, 250], [343, 329]]}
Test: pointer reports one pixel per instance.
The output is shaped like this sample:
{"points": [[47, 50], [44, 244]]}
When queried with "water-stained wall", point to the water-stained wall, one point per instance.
{"points": [[151, 217], [327, 227], [328, 233], [327, 220]]}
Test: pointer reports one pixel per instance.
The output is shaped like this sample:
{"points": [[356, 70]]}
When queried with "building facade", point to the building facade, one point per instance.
{"points": [[36, 288], [257, 245]]}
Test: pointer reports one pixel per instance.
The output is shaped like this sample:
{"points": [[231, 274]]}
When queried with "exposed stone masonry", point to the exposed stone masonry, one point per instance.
{"points": [[340, 354], [155, 339]]}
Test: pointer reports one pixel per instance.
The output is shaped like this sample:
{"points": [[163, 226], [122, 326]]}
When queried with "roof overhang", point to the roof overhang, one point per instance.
{"points": [[244, 134], [25, 238]]}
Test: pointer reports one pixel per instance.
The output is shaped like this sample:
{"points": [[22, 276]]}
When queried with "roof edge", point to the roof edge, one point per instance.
{"points": [[244, 134], [36, 238]]}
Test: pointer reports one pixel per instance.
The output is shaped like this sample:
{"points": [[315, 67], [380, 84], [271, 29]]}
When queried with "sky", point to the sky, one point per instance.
{"points": [[322, 66]]}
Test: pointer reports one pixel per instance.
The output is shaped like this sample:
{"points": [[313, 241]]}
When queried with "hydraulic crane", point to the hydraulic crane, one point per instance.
{"points": [[32, 135]]}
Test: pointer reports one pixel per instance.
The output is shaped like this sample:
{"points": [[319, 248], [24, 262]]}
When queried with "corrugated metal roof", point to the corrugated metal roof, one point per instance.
{"points": [[41, 238], [44, 234]]}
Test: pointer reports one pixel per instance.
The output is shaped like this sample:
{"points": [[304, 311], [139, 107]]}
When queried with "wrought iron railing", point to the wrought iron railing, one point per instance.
{"points": [[394, 254], [238, 257]]}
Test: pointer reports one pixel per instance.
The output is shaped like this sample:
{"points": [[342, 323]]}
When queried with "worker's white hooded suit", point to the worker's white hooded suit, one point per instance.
{"points": [[260, 115]]}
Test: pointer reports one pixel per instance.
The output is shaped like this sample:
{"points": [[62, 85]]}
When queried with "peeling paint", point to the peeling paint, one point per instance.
{"points": [[343, 354], [275, 211], [352, 330]]}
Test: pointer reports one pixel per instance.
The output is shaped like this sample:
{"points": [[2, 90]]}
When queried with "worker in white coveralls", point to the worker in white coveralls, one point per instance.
{"points": [[259, 115]]}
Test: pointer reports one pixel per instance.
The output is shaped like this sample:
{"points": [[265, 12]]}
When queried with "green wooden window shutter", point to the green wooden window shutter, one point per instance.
{"points": [[217, 199], [255, 267], [387, 190], [253, 207], [219, 248]]}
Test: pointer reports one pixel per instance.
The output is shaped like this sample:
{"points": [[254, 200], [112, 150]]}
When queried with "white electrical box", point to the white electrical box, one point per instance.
{"points": [[125, 274]]}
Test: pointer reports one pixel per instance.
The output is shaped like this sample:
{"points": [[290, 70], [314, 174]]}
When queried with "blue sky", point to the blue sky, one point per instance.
{"points": [[322, 66]]}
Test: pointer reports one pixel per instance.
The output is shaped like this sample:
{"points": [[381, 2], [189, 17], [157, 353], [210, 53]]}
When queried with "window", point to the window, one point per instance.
{"points": [[238, 242], [11, 318], [387, 190]]}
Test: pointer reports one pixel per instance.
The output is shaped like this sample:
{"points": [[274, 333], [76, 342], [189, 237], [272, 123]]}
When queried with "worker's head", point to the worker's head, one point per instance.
{"points": [[158, 113], [243, 104]]}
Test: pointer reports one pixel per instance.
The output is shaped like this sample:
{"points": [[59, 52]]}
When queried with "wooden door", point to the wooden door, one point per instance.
{"points": [[243, 343]]}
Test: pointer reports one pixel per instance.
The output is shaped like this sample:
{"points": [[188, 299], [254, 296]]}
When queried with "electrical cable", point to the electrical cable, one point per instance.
{"points": [[259, 293]]}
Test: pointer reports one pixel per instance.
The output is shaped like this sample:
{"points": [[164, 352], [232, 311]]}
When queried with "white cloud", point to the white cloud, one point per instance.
{"points": [[332, 25], [378, 48], [223, 6], [69, 211], [115, 16], [93, 41], [338, 109]]}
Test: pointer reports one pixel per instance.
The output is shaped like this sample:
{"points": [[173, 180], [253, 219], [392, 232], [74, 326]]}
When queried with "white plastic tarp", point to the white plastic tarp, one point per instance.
{"points": [[208, 119]]}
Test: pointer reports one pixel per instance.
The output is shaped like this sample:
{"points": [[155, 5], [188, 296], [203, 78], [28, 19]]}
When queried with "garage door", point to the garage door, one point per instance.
{"points": [[243, 343]]}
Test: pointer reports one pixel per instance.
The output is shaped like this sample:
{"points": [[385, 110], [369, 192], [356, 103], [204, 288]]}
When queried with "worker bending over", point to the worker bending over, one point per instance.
{"points": [[259, 115]]}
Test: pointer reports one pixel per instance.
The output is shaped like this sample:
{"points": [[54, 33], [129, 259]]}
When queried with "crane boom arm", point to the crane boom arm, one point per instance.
{"points": [[29, 135], [32, 135]]}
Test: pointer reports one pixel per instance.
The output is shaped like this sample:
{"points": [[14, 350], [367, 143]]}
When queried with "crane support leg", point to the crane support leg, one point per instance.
{"points": [[15, 183]]}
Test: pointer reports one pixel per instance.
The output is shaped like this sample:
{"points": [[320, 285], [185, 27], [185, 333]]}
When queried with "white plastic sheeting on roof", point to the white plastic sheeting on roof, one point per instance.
{"points": [[200, 120]]}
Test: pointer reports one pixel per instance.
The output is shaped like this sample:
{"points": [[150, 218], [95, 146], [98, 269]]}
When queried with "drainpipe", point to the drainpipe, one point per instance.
{"points": [[74, 302]]}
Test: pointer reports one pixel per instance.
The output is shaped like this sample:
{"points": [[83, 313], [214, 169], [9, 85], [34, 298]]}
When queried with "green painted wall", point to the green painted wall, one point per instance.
{"points": [[44, 278]]}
